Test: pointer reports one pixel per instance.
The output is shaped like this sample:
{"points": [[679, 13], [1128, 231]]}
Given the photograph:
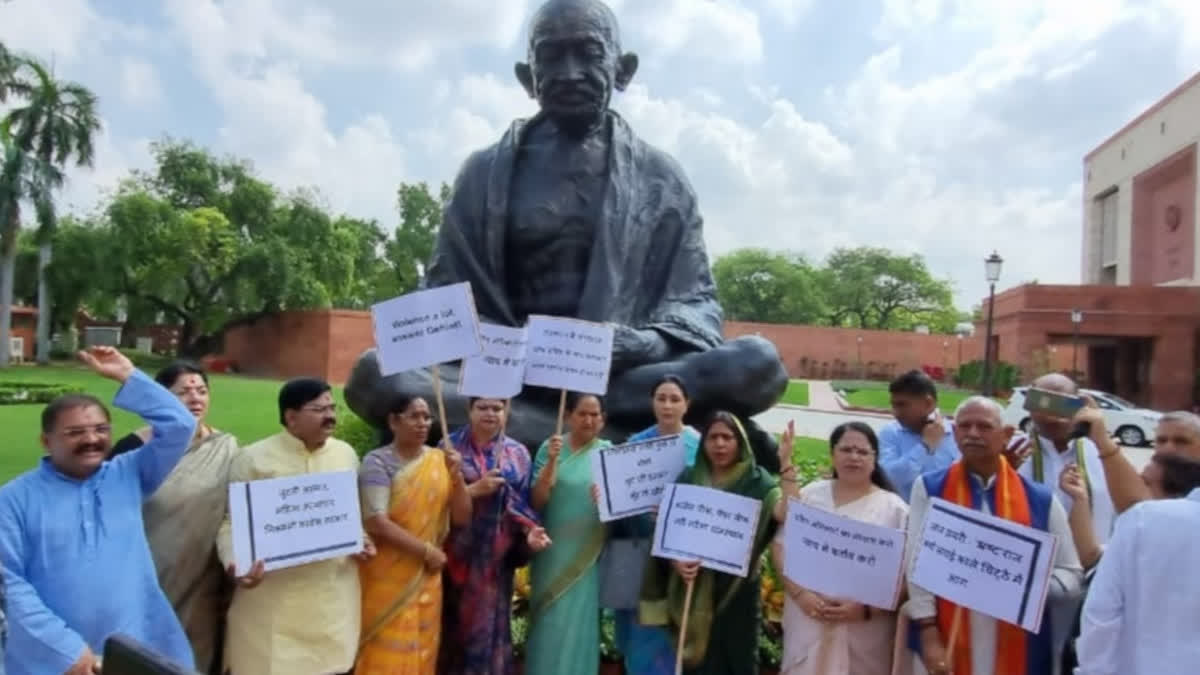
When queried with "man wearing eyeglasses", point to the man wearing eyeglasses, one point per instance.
{"points": [[301, 619], [76, 563]]}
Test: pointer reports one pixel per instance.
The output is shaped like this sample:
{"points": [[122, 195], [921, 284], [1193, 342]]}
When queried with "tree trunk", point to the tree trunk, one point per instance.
{"points": [[44, 305], [8, 266]]}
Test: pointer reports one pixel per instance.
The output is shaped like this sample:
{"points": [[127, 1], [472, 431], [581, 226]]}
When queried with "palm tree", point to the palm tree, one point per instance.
{"points": [[8, 67], [57, 123], [23, 177]]}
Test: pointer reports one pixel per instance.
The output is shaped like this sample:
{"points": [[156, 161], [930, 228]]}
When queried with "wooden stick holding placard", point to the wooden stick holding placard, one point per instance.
{"points": [[955, 624], [562, 412], [687, 609], [441, 404]]}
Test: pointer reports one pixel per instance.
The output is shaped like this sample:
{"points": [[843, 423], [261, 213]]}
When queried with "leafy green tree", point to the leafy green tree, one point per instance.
{"points": [[411, 245], [758, 285], [57, 123], [24, 177], [874, 288]]}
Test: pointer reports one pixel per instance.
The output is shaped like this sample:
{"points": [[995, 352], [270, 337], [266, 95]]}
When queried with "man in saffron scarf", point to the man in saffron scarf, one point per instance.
{"points": [[984, 480]]}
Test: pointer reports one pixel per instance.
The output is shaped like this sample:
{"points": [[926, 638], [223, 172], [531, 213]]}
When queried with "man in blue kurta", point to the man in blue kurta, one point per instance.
{"points": [[77, 568], [919, 440]]}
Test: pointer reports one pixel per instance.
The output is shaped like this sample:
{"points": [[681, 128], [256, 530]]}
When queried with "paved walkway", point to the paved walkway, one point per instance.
{"points": [[822, 397]]}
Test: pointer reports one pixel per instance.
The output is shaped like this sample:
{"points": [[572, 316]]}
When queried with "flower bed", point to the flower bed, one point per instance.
{"points": [[21, 393]]}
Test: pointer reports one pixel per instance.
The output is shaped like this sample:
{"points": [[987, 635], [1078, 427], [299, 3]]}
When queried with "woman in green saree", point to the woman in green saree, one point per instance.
{"points": [[564, 601], [725, 616]]}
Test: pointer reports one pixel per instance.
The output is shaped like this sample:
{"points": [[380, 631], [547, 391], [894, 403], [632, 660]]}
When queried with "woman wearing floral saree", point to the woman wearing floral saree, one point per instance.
{"points": [[481, 557], [722, 627], [564, 638], [411, 494], [182, 518], [828, 636]]}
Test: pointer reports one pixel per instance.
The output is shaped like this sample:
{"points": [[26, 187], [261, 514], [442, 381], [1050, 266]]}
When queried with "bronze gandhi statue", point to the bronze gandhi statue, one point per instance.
{"points": [[571, 214]]}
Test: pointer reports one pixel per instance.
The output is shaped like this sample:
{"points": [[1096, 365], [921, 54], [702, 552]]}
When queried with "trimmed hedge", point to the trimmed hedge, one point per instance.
{"points": [[26, 393]]}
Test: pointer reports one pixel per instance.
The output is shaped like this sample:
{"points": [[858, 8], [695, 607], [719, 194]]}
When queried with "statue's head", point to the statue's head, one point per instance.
{"points": [[575, 62]]}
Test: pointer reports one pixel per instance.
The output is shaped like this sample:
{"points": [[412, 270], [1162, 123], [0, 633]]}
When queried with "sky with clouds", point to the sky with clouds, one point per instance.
{"points": [[944, 127]]}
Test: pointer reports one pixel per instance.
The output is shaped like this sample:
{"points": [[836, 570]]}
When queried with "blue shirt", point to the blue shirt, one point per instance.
{"points": [[77, 568], [904, 457]]}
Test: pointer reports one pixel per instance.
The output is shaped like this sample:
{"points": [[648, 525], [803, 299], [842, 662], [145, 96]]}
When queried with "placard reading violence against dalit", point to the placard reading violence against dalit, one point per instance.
{"points": [[985, 563], [632, 477], [711, 526], [842, 557], [569, 354], [294, 520], [499, 371], [426, 328]]}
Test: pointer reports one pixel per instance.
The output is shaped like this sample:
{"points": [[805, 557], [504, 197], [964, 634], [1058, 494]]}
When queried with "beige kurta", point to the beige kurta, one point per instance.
{"points": [[812, 647], [301, 620], [182, 519]]}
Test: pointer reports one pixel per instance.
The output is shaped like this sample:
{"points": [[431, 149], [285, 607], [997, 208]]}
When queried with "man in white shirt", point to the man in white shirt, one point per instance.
{"points": [[1051, 450], [980, 434], [1142, 613]]}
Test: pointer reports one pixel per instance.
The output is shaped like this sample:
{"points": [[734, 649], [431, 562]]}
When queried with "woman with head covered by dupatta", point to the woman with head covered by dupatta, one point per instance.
{"points": [[723, 624]]}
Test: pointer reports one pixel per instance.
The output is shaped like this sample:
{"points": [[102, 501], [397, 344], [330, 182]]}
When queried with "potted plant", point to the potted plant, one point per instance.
{"points": [[520, 616], [612, 661]]}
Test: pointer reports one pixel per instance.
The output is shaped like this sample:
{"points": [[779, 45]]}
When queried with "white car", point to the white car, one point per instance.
{"points": [[1130, 424]]}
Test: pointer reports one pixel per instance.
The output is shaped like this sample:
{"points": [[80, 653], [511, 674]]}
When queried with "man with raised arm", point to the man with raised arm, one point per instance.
{"points": [[77, 567]]}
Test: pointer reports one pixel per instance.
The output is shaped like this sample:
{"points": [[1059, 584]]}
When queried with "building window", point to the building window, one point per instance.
{"points": [[1107, 220]]}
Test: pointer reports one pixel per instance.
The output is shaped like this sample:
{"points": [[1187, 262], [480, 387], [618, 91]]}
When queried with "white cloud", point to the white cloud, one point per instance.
{"points": [[949, 156], [140, 86]]}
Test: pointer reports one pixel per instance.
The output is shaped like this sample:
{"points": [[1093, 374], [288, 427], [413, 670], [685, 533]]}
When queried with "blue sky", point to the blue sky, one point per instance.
{"points": [[944, 127]]}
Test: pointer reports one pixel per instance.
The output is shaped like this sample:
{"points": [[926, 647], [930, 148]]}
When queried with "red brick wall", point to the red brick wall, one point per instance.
{"points": [[326, 344], [835, 353], [318, 343]]}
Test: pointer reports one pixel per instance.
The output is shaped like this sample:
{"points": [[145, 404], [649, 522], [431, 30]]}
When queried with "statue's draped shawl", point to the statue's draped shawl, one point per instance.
{"points": [[648, 269]]}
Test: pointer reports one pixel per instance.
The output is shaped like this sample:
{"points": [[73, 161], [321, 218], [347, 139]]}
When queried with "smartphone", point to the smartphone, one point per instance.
{"points": [[125, 656], [1052, 403]]}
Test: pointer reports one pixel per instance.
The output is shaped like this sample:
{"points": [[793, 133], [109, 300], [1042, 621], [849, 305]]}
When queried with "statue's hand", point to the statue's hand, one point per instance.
{"points": [[633, 347]]}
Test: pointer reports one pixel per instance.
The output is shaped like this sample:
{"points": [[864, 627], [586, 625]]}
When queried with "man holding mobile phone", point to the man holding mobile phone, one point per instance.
{"points": [[920, 439]]}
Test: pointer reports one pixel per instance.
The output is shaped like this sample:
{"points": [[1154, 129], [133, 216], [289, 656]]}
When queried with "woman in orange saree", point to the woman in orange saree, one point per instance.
{"points": [[411, 493]]}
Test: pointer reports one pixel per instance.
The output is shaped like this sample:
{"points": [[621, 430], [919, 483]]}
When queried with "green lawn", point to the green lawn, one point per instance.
{"points": [[241, 405], [796, 393], [875, 395]]}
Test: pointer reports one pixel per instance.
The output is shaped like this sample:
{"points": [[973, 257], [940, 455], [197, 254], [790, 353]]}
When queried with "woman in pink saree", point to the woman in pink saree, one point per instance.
{"points": [[831, 636]]}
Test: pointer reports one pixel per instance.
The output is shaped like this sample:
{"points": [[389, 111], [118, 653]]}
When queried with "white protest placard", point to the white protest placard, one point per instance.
{"points": [[984, 563], [295, 520], [569, 354], [499, 371], [841, 557], [426, 328], [632, 477], [714, 527]]}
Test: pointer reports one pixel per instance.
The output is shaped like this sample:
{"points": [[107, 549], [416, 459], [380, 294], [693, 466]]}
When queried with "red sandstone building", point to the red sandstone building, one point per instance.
{"points": [[1140, 303]]}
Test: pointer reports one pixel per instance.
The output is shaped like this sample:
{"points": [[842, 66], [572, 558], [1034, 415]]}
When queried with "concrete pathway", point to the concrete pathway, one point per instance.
{"points": [[822, 397]]}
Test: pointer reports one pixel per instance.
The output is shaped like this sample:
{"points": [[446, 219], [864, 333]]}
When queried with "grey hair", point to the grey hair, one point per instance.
{"points": [[981, 402], [1188, 419]]}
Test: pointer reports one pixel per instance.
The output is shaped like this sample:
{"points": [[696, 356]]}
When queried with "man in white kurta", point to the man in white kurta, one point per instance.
{"points": [[301, 620], [1142, 613], [1051, 451]]}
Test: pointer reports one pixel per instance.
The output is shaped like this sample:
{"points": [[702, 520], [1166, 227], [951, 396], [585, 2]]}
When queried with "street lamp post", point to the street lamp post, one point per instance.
{"points": [[1076, 319], [992, 266], [861, 371]]}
